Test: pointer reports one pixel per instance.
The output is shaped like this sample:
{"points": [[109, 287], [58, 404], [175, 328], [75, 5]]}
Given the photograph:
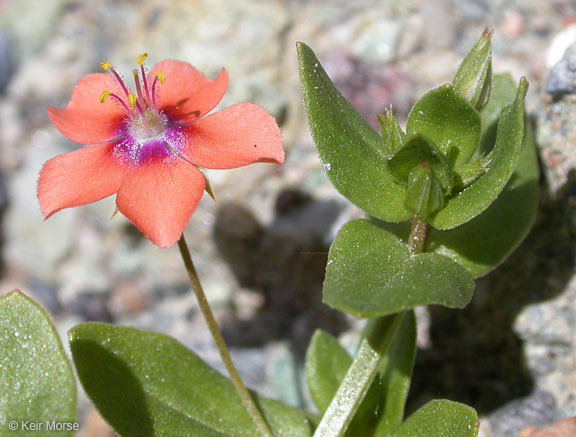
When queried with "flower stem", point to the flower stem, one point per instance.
{"points": [[241, 389]]}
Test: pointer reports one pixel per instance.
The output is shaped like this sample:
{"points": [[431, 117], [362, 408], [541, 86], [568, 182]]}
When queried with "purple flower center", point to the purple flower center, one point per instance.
{"points": [[155, 138], [147, 132]]}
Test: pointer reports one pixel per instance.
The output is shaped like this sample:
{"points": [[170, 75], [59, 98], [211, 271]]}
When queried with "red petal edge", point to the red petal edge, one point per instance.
{"points": [[187, 94], [234, 137], [78, 178], [85, 120], [159, 198]]}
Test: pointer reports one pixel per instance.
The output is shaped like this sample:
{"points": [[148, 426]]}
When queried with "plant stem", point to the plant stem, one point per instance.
{"points": [[241, 389], [417, 237], [360, 375]]}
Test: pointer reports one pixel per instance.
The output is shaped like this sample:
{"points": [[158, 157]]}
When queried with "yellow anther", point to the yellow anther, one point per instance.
{"points": [[135, 73], [161, 77], [141, 58], [132, 98], [105, 65], [104, 95]]}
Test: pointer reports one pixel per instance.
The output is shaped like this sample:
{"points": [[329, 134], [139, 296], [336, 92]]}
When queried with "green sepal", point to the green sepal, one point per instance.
{"points": [[473, 80], [371, 273], [449, 121], [465, 175], [425, 171], [419, 151], [392, 134], [424, 195], [353, 153]]}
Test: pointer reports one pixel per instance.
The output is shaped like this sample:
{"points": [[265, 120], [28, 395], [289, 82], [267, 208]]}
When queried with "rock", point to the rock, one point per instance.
{"points": [[6, 61], [562, 428], [511, 419], [562, 78], [560, 44]]}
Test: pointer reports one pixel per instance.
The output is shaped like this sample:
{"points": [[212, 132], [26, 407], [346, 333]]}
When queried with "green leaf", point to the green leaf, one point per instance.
{"points": [[358, 380], [326, 365], [37, 383], [370, 273], [503, 94], [441, 418], [395, 376], [449, 121], [148, 384], [352, 152], [474, 77], [487, 240], [382, 410], [503, 159]]}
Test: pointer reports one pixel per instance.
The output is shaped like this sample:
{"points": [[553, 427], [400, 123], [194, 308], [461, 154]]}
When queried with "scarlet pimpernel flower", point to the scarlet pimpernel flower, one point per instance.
{"points": [[147, 145]]}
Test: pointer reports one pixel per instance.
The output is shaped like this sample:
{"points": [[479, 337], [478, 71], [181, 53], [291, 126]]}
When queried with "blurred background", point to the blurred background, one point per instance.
{"points": [[261, 247]]}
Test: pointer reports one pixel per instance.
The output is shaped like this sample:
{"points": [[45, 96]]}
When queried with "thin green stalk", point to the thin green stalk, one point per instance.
{"points": [[360, 375], [241, 389]]}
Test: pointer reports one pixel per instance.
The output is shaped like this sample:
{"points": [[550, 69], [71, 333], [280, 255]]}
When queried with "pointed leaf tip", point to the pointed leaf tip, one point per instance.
{"points": [[348, 145]]}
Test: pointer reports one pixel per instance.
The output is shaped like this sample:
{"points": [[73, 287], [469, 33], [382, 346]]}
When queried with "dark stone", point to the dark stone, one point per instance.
{"points": [[6, 61], [562, 79]]}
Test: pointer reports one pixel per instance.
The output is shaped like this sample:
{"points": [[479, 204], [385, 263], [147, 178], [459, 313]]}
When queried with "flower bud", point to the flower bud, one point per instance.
{"points": [[424, 194], [474, 77], [392, 135]]}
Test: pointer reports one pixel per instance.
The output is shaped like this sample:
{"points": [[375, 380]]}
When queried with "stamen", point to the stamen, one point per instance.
{"points": [[157, 77], [108, 67], [137, 82], [105, 94], [141, 59], [133, 100]]}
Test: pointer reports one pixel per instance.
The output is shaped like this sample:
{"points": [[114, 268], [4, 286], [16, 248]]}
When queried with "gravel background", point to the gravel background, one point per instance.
{"points": [[260, 249]]}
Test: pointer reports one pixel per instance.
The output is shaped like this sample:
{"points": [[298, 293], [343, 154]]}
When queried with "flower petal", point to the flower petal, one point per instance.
{"points": [[85, 120], [236, 136], [78, 178], [159, 197], [187, 94]]}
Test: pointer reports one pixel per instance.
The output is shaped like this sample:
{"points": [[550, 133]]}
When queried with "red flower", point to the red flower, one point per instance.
{"points": [[146, 146]]}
